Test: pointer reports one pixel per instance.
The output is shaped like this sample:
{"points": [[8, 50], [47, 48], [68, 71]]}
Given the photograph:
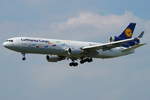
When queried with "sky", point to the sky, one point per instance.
{"points": [[124, 78]]}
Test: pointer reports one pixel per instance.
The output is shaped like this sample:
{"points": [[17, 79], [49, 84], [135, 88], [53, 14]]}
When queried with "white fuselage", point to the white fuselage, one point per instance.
{"points": [[60, 47]]}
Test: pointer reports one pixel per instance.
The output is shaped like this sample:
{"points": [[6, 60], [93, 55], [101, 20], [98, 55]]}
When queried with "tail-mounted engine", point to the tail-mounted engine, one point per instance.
{"points": [[111, 39]]}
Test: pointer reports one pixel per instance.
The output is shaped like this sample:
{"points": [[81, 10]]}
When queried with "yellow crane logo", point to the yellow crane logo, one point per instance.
{"points": [[128, 32]]}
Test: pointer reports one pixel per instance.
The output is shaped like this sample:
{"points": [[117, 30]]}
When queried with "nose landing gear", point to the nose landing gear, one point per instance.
{"points": [[23, 58]]}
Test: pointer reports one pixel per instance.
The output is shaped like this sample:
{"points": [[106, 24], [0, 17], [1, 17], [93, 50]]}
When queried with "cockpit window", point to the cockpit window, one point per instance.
{"points": [[9, 40]]}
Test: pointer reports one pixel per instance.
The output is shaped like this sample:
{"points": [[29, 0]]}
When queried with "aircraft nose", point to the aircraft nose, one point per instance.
{"points": [[6, 45]]}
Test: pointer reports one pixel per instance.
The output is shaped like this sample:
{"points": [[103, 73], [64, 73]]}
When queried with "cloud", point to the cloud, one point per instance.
{"points": [[84, 26], [92, 25]]}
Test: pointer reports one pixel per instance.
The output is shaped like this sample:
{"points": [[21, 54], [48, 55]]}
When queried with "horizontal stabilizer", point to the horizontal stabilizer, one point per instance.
{"points": [[134, 47], [141, 35]]}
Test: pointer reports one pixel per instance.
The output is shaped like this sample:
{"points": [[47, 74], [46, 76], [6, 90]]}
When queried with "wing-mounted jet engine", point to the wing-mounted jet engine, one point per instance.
{"points": [[54, 58]]}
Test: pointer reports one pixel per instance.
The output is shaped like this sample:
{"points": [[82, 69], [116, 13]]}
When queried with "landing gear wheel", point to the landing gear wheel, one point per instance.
{"points": [[73, 64], [47, 57], [23, 58], [90, 60], [86, 60], [82, 62], [70, 64]]}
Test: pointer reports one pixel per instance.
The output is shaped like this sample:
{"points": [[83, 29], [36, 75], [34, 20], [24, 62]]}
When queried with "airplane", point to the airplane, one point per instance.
{"points": [[58, 50]]}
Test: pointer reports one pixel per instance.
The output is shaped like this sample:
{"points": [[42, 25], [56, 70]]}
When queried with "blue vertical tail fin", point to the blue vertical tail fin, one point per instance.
{"points": [[127, 33]]}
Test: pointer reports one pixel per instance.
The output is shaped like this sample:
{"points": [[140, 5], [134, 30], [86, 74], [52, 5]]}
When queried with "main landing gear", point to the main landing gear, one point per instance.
{"points": [[86, 60], [73, 63], [23, 58]]}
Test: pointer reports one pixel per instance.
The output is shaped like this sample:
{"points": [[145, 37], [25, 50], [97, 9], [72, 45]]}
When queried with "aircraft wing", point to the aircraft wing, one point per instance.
{"points": [[108, 46], [134, 47]]}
